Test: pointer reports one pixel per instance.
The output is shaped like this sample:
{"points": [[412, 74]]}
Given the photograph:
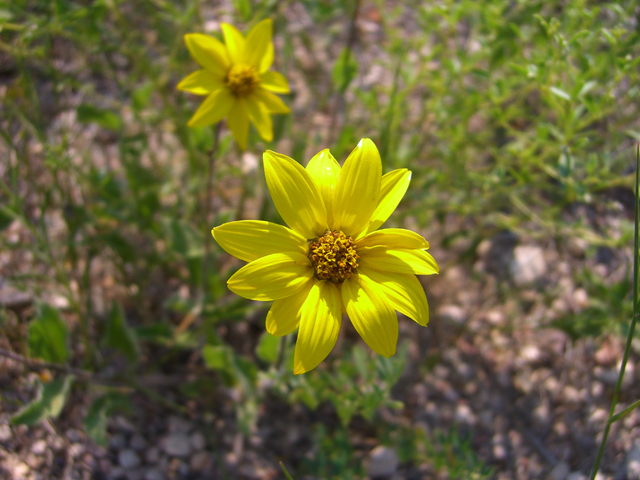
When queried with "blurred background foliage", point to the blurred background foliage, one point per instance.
{"points": [[509, 113]]}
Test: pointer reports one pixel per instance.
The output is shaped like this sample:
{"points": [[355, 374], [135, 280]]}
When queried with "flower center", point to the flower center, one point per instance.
{"points": [[333, 256], [242, 80]]}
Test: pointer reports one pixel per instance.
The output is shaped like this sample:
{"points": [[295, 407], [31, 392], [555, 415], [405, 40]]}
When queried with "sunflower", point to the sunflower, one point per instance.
{"points": [[331, 260], [235, 77]]}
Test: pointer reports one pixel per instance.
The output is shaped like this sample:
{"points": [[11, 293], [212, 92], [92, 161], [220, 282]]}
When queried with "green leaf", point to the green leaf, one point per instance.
{"points": [[268, 347], [47, 336], [345, 69], [243, 7], [105, 118], [120, 336], [560, 93], [99, 412], [217, 357], [6, 217], [48, 402], [141, 96]]}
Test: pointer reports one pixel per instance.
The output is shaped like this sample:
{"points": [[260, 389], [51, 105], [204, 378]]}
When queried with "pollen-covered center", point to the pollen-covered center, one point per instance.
{"points": [[333, 256], [242, 80]]}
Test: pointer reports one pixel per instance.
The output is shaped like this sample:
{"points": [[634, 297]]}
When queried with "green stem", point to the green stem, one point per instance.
{"points": [[208, 210], [627, 349]]}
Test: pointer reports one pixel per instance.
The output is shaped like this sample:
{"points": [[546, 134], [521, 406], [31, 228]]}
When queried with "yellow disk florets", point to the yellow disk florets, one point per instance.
{"points": [[242, 80], [333, 256]]}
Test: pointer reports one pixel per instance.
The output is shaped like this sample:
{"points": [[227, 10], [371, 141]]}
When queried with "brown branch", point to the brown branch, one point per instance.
{"points": [[37, 364]]}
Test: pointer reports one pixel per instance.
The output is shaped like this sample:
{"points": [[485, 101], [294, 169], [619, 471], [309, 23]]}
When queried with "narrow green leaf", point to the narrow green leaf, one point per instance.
{"points": [[105, 118], [120, 336], [217, 357], [344, 70], [99, 412], [268, 347], [48, 402], [560, 93], [6, 217], [47, 336]]}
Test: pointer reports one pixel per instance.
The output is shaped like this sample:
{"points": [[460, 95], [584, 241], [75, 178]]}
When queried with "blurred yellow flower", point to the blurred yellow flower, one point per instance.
{"points": [[331, 260], [237, 81]]}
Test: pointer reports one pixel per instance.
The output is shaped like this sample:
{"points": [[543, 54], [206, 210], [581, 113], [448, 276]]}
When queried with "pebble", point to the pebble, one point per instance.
{"points": [[198, 441], [5, 433], [176, 445], [559, 472], [528, 265], [118, 441], [452, 313], [201, 461], [39, 447], [633, 462], [128, 459], [152, 455], [383, 462], [153, 474], [138, 442], [179, 425], [577, 476]]}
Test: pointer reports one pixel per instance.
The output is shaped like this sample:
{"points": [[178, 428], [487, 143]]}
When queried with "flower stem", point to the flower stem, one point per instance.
{"points": [[636, 264], [209, 209]]}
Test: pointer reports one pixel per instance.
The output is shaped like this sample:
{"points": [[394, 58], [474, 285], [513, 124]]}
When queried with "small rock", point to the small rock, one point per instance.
{"points": [[39, 447], [5, 433], [152, 455], [153, 474], [118, 441], [633, 462], [452, 313], [20, 470], [124, 425], [74, 435], [201, 461], [76, 450], [128, 459], [176, 445], [198, 441], [559, 472], [138, 442], [577, 476], [383, 462], [116, 473], [528, 265], [179, 425], [577, 246]]}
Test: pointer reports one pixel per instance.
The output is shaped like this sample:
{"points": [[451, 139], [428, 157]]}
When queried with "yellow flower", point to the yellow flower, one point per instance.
{"points": [[331, 260], [236, 80]]}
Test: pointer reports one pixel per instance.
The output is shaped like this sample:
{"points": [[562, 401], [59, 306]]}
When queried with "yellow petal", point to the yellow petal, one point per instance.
{"points": [[202, 82], [295, 195], [235, 43], [209, 52], [417, 262], [273, 103], [392, 188], [392, 238], [275, 276], [404, 292], [257, 44], [371, 314], [238, 122], [356, 195], [320, 321], [259, 116], [284, 315], [267, 60], [325, 170], [249, 240], [213, 109], [274, 82]]}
